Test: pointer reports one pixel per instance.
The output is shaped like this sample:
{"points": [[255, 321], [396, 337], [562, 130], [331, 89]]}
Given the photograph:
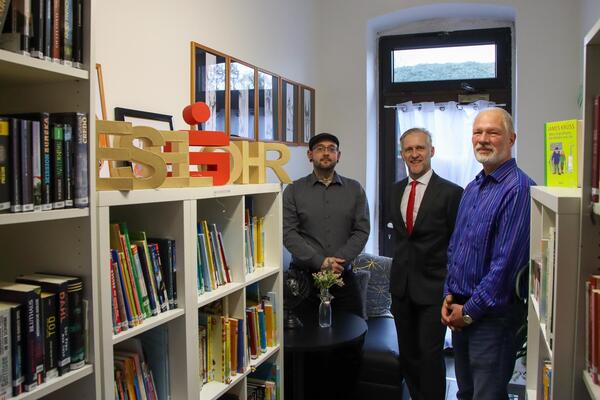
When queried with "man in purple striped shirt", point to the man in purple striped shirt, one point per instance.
{"points": [[488, 247]]}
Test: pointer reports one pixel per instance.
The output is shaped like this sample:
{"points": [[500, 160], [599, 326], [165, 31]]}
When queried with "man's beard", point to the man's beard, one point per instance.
{"points": [[324, 168], [491, 157]]}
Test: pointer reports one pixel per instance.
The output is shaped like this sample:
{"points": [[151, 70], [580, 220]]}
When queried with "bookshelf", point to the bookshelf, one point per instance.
{"points": [[174, 213], [57, 241], [551, 320], [590, 212]]}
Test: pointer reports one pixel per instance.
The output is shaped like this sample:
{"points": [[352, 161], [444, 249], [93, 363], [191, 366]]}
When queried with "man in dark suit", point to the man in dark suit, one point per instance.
{"points": [[424, 208]]}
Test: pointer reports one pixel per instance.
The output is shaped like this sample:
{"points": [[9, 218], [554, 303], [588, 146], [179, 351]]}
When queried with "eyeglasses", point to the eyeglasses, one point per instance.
{"points": [[323, 149]]}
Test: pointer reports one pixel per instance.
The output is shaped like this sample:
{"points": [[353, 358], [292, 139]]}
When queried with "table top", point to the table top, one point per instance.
{"points": [[345, 329]]}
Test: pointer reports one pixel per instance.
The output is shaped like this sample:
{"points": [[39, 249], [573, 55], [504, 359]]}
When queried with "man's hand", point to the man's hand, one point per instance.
{"points": [[456, 321], [446, 309], [333, 263]]}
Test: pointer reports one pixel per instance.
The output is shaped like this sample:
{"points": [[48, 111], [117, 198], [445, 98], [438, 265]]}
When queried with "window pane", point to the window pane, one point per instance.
{"points": [[289, 113], [242, 100], [210, 88], [267, 106], [444, 63]]}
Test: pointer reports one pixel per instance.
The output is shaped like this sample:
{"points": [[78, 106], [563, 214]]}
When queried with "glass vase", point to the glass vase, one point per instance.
{"points": [[325, 308]]}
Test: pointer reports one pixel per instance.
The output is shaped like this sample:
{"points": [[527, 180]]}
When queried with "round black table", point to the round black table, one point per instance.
{"points": [[346, 329]]}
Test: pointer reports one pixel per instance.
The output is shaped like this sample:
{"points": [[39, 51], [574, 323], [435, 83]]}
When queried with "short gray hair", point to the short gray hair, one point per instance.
{"points": [[416, 130], [507, 119]]}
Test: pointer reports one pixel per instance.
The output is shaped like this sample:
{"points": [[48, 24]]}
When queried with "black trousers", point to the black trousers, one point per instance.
{"points": [[421, 342]]}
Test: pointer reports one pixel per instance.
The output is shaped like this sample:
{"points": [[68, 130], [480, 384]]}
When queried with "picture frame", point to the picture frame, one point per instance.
{"points": [[268, 106], [100, 96], [289, 111], [242, 100], [307, 118]]}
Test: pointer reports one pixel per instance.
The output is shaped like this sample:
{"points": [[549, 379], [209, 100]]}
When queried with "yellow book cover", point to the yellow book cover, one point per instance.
{"points": [[269, 324], [211, 262], [561, 155]]}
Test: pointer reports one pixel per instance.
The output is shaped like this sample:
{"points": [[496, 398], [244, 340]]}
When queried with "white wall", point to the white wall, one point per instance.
{"points": [[547, 77], [144, 49], [590, 12]]}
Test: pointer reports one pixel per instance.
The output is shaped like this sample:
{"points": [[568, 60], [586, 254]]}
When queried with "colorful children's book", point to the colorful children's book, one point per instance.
{"points": [[561, 153]]}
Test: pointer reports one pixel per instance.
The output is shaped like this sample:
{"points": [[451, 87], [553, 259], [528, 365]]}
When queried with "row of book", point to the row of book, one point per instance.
{"points": [[261, 320], [212, 267], [49, 30], [222, 354], [143, 276], [542, 281], [263, 383], [547, 381], [44, 161], [254, 238], [141, 370], [43, 330]]}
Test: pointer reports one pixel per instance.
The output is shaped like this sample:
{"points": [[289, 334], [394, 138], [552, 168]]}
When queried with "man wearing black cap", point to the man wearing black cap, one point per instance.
{"points": [[326, 221], [325, 226]]}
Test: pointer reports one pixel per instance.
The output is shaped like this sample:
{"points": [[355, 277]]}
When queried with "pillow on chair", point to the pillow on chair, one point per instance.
{"points": [[362, 277], [379, 299]]}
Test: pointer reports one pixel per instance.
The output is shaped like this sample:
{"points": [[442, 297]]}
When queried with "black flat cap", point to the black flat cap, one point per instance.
{"points": [[322, 137]]}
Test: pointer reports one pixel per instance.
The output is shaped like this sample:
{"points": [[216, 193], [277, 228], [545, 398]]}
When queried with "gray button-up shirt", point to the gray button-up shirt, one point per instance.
{"points": [[323, 221]]}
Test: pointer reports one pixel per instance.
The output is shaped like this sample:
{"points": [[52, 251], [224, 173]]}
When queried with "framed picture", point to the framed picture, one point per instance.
{"points": [[210, 85], [268, 106], [99, 89], [161, 122], [307, 120], [241, 95], [289, 112]]}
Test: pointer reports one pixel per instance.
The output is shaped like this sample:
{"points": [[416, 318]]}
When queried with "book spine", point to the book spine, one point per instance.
{"points": [[81, 162], [26, 166], [56, 30], [37, 25], [15, 165], [39, 342], [147, 304], [124, 315], [64, 340], [148, 279], [36, 165], [133, 297], [68, 163], [46, 163], [58, 166], [173, 255], [4, 165], [137, 279], [49, 309], [48, 30], [128, 313], [5, 355], [76, 332], [17, 350], [29, 365], [596, 151], [116, 318], [78, 33], [67, 32], [160, 283], [24, 24]]}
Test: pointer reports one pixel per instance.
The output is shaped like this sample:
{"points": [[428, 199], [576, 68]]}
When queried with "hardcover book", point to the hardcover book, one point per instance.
{"points": [[561, 149], [4, 166]]}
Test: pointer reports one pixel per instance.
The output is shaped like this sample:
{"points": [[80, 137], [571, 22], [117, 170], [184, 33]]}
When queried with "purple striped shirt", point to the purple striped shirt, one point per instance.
{"points": [[490, 242]]}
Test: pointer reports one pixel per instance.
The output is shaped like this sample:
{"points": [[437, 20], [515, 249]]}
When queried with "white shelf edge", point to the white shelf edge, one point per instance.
{"points": [[42, 65], [39, 216], [592, 388], [138, 196], [561, 200], [531, 394], [56, 383], [263, 357], [220, 292], [261, 273], [541, 325], [213, 390], [147, 324]]}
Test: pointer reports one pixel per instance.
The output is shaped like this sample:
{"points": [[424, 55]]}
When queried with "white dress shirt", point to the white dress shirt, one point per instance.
{"points": [[422, 183]]}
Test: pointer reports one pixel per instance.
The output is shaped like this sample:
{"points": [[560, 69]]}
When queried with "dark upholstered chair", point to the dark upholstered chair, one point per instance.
{"points": [[380, 376]]}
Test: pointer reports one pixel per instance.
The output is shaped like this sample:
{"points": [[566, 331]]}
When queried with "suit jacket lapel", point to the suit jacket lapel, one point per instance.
{"points": [[397, 204], [428, 198]]}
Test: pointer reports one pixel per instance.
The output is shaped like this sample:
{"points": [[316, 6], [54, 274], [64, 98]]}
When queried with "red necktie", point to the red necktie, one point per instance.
{"points": [[410, 207]]}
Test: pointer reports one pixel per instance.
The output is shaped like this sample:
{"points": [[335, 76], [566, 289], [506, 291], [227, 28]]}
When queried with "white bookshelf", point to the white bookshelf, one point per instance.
{"points": [[590, 213], [56, 241], [174, 213], [558, 208]]}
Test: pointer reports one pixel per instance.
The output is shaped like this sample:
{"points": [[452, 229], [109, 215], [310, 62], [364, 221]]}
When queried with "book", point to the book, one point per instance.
{"points": [[166, 252], [67, 32], [5, 352], [68, 164], [51, 336], [156, 344], [4, 164], [561, 149], [57, 284], [127, 319], [36, 166], [56, 30], [15, 164], [48, 30], [78, 38], [57, 142], [116, 311], [16, 347], [26, 166], [16, 31], [29, 297], [76, 322], [36, 43], [596, 151]]}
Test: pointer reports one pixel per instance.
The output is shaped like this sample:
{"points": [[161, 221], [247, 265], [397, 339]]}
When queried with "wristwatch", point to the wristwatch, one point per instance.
{"points": [[467, 319]]}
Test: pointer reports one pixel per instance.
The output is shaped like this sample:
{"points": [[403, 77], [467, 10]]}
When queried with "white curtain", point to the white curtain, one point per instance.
{"points": [[450, 125]]}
